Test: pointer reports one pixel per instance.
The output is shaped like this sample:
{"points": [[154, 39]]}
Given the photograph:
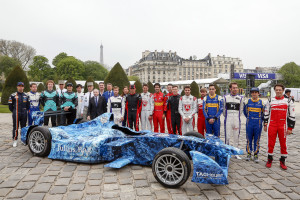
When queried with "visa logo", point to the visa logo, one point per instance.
{"points": [[262, 76], [242, 76]]}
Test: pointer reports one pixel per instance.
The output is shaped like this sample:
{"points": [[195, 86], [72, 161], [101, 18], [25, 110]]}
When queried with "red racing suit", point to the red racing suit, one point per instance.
{"points": [[168, 114], [159, 110], [280, 113], [201, 119]]}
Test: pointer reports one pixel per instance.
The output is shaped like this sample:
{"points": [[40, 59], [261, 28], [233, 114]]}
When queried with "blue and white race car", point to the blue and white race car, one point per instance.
{"points": [[100, 140]]}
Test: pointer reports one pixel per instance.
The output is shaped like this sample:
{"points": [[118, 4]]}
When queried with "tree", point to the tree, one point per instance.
{"points": [[10, 86], [70, 67], [71, 80], [95, 70], [151, 87], [40, 87], [7, 64], [218, 89], [90, 79], [133, 78], [21, 52], [291, 73], [117, 77], [58, 58], [138, 86], [182, 92], [40, 70], [195, 89]]}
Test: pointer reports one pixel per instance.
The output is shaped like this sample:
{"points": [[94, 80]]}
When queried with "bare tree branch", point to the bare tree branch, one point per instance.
{"points": [[20, 51]]}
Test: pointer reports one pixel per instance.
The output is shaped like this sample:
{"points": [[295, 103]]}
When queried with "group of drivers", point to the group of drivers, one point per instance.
{"points": [[277, 115]]}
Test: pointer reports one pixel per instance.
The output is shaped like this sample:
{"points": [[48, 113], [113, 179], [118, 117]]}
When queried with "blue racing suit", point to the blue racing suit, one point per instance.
{"points": [[253, 110], [34, 99], [212, 109], [18, 104]]}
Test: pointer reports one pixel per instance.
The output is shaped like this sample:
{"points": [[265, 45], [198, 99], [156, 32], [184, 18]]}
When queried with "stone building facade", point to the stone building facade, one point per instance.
{"points": [[168, 66]]}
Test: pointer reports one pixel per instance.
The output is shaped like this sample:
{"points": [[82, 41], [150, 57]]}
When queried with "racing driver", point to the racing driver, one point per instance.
{"points": [[280, 113]]}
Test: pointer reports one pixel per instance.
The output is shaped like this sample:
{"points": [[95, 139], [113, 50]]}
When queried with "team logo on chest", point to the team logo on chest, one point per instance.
{"points": [[145, 103], [187, 107]]}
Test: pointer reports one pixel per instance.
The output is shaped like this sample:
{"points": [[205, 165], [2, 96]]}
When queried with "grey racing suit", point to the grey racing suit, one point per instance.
{"points": [[85, 103], [80, 97], [147, 110], [116, 105], [232, 111], [187, 108]]}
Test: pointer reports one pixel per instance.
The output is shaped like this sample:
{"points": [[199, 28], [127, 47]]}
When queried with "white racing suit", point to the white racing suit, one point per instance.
{"points": [[34, 99], [188, 107], [116, 105], [232, 111], [147, 110], [80, 97], [85, 103]]}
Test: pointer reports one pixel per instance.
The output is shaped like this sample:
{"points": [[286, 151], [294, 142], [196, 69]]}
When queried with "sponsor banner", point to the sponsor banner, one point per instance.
{"points": [[257, 75]]}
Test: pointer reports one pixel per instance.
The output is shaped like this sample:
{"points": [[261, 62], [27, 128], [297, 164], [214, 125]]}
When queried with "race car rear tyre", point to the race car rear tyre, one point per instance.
{"points": [[171, 167], [39, 141], [194, 134]]}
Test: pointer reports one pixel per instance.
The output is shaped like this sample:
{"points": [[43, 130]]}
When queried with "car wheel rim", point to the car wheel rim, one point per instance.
{"points": [[169, 169], [37, 142]]}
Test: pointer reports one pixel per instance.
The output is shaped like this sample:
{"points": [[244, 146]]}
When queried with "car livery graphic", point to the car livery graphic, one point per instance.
{"points": [[100, 140]]}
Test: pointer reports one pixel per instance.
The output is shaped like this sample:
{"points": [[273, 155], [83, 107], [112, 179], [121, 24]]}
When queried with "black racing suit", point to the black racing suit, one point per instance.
{"points": [[172, 104], [19, 105], [133, 107]]}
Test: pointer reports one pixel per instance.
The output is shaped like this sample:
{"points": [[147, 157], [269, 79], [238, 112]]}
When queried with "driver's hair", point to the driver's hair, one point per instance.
{"points": [[96, 90], [116, 87]]}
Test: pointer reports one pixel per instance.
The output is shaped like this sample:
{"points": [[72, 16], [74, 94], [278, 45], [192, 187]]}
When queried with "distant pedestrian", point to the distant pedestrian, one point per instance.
{"points": [[18, 103]]}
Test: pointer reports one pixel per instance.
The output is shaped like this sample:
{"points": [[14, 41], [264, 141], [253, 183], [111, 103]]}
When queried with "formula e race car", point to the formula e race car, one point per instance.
{"points": [[100, 140]]}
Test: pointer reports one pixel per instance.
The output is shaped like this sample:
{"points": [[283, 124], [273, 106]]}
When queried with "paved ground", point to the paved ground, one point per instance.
{"points": [[23, 176]]}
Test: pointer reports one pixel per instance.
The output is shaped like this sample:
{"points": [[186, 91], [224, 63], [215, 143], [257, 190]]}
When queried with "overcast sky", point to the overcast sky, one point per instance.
{"points": [[260, 32]]}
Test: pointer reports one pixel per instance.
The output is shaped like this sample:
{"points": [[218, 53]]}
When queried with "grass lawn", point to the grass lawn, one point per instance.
{"points": [[4, 109]]}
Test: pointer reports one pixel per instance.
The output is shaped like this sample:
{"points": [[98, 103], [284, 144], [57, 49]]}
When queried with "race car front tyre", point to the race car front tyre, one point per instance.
{"points": [[39, 141], [194, 134], [171, 167]]}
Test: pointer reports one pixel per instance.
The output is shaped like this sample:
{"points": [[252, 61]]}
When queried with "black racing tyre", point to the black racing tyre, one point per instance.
{"points": [[39, 141], [171, 167], [194, 134]]}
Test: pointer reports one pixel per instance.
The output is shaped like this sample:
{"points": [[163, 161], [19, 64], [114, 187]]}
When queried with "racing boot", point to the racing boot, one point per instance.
{"points": [[248, 157], [270, 160], [282, 163], [255, 158]]}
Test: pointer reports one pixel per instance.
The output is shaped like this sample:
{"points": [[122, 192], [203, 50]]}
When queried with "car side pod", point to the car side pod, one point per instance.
{"points": [[120, 162], [207, 170]]}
